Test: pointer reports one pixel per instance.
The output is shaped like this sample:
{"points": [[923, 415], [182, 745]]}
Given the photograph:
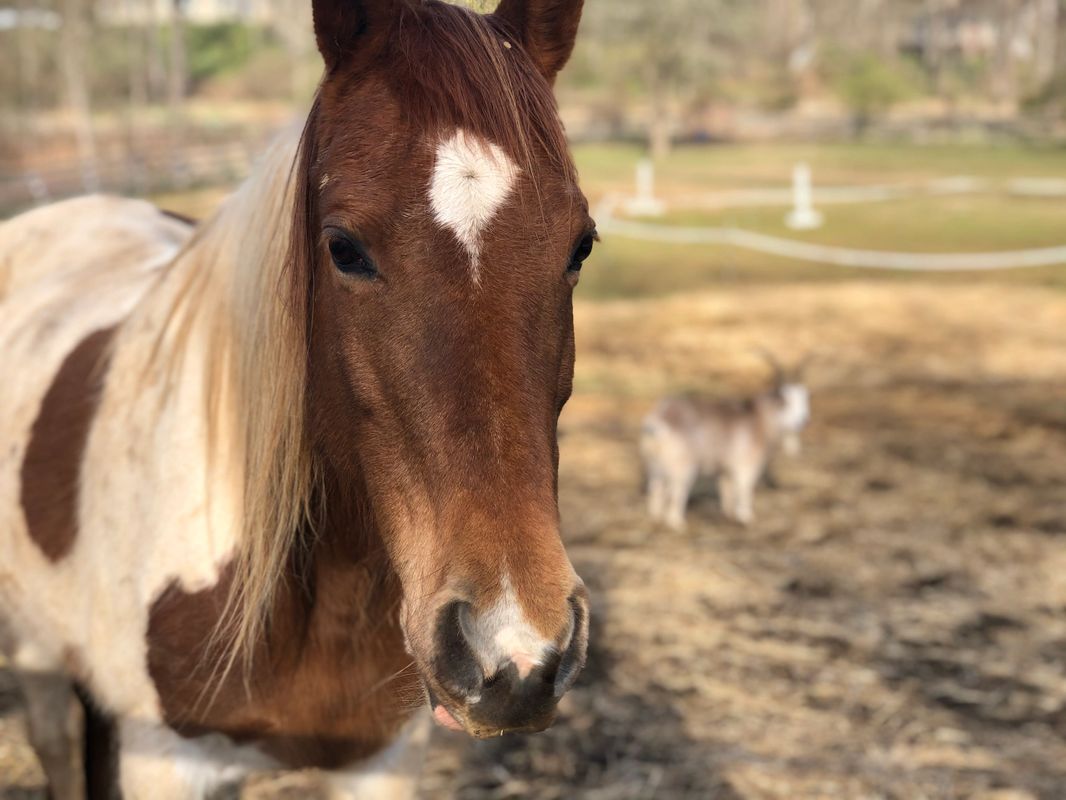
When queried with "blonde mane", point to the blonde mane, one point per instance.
{"points": [[235, 291]]}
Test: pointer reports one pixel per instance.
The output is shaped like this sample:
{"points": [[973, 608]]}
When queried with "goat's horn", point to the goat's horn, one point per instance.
{"points": [[775, 365]]}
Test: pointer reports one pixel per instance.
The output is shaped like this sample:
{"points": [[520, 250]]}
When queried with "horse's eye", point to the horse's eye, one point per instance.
{"points": [[349, 257], [581, 252]]}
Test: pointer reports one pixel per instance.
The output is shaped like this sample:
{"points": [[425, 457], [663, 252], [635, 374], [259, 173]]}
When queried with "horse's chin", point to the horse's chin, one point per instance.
{"points": [[443, 717], [450, 717]]}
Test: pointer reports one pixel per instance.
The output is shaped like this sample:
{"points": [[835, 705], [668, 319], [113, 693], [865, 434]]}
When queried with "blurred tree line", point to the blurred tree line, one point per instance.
{"points": [[661, 62], [133, 65], [681, 56]]}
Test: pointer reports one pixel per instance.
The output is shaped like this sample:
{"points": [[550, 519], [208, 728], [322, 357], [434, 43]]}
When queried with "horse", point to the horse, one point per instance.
{"points": [[122, 230], [278, 490]]}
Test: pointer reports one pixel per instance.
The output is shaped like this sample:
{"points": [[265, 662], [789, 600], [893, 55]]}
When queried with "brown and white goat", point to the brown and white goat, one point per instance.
{"points": [[686, 436]]}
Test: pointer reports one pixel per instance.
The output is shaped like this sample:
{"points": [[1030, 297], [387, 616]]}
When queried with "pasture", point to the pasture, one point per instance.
{"points": [[894, 622]]}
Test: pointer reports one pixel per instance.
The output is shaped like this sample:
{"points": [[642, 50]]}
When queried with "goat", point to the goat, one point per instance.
{"points": [[686, 436]]}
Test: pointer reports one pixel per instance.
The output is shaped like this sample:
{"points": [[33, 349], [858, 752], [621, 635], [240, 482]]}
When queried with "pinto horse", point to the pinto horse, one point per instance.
{"points": [[272, 486]]}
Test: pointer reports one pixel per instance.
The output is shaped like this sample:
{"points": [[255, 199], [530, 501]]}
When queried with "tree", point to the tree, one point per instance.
{"points": [[1049, 15], [291, 23], [177, 73], [870, 86], [74, 67], [668, 51]]}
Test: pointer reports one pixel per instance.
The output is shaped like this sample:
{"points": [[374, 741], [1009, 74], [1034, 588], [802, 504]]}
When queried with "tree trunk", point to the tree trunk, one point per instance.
{"points": [[660, 137], [1047, 43], [29, 63], [660, 127], [177, 78], [137, 70], [156, 71], [137, 76], [291, 20], [75, 71]]}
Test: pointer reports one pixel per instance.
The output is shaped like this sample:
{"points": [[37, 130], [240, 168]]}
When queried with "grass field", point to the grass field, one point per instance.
{"points": [[988, 221], [746, 166]]}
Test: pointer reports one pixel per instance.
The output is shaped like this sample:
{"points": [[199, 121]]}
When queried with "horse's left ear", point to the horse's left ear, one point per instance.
{"points": [[547, 30], [344, 27]]}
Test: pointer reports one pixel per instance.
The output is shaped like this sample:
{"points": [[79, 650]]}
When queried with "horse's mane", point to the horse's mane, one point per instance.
{"points": [[252, 285], [231, 298]]}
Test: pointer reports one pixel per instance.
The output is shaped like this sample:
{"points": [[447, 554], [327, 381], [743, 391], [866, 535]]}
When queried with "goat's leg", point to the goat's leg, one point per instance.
{"points": [[56, 724], [681, 482], [658, 491], [745, 481], [727, 494]]}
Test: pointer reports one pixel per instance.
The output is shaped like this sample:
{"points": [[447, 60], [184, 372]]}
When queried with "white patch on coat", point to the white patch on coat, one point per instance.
{"points": [[502, 635], [472, 179], [391, 774], [143, 522], [156, 508], [797, 408], [156, 762]]}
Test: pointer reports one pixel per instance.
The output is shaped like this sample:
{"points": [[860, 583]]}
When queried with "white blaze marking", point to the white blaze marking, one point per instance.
{"points": [[471, 180], [502, 634]]}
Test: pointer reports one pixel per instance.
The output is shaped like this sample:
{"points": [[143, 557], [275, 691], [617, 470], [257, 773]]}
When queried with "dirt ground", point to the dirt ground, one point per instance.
{"points": [[894, 623]]}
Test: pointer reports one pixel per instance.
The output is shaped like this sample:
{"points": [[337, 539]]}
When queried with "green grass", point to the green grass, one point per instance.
{"points": [[957, 224], [967, 223], [623, 268], [739, 166]]}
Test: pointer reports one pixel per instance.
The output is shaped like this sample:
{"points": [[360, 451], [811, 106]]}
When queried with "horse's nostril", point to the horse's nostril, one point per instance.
{"points": [[573, 658], [497, 674], [455, 664]]}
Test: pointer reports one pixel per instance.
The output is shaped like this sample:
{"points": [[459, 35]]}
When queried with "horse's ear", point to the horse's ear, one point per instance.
{"points": [[343, 27], [547, 30]]}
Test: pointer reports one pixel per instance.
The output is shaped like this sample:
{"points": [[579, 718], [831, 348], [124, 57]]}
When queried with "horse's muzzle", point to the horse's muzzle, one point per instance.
{"points": [[517, 697]]}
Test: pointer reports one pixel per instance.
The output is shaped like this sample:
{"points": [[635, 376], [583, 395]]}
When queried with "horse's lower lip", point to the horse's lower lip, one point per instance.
{"points": [[444, 718]]}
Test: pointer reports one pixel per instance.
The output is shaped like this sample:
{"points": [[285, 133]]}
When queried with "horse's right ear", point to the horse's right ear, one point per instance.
{"points": [[343, 27], [546, 28]]}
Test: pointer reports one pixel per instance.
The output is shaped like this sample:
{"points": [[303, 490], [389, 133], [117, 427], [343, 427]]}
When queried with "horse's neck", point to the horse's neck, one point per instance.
{"points": [[344, 557], [331, 681]]}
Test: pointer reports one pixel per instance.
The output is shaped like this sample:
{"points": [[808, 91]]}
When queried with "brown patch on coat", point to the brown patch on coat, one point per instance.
{"points": [[51, 468], [329, 686]]}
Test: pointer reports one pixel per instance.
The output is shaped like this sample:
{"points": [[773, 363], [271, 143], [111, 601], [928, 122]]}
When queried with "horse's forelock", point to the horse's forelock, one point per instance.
{"points": [[459, 69], [449, 67]]}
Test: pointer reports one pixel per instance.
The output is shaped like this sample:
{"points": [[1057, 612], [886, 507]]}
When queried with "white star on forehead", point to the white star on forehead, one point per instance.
{"points": [[472, 179]]}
